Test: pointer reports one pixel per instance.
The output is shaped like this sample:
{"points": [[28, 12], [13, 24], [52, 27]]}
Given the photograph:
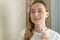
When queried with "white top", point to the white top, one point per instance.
{"points": [[51, 34]]}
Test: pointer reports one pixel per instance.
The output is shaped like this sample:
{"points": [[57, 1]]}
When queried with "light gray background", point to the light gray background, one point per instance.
{"points": [[55, 15]]}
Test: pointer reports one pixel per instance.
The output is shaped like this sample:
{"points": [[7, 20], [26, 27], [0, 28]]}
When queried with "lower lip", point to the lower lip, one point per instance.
{"points": [[37, 19]]}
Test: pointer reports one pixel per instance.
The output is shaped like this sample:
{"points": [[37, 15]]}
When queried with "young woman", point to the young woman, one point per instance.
{"points": [[36, 28]]}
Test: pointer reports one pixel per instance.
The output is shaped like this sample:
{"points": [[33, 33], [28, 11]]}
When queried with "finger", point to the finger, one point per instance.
{"points": [[44, 36]]}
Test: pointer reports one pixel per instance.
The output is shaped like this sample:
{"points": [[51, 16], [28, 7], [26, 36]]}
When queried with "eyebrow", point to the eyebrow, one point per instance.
{"points": [[38, 9], [32, 9]]}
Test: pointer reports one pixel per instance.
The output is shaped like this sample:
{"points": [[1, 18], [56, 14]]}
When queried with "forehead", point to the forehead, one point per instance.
{"points": [[37, 5]]}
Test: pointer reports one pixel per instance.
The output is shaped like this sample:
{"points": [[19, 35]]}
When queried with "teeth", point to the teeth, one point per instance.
{"points": [[37, 19]]}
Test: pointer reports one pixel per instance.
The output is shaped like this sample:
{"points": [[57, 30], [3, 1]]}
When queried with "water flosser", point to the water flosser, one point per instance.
{"points": [[42, 30]]}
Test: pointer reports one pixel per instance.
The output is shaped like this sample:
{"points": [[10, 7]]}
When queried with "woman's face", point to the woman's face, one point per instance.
{"points": [[38, 13]]}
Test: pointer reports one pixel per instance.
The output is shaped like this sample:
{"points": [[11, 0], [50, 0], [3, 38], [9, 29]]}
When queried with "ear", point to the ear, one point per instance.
{"points": [[47, 14]]}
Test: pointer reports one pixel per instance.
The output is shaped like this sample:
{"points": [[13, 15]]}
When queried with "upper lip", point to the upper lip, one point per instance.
{"points": [[37, 18]]}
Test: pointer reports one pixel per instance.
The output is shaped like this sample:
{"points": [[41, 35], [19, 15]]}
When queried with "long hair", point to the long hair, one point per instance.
{"points": [[29, 25]]}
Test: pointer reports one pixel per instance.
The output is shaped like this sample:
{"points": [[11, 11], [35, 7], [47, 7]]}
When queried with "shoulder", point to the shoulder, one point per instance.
{"points": [[21, 36], [53, 32], [54, 35]]}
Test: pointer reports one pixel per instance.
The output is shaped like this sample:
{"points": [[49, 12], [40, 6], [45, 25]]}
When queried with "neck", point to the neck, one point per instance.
{"points": [[38, 28]]}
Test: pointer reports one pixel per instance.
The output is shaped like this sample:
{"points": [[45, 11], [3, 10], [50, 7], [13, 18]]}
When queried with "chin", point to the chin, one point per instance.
{"points": [[36, 22]]}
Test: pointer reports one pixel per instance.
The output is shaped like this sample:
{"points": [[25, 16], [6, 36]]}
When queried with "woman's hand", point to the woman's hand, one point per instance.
{"points": [[45, 37]]}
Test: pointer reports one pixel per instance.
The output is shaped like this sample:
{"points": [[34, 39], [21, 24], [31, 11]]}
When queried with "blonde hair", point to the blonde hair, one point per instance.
{"points": [[29, 25]]}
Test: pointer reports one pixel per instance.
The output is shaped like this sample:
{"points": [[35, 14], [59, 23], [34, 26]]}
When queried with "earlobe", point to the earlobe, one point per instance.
{"points": [[47, 14]]}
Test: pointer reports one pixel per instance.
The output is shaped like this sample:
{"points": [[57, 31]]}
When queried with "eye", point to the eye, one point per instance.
{"points": [[39, 11], [32, 11]]}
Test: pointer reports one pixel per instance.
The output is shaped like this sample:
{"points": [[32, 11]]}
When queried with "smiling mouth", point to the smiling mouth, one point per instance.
{"points": [[37, 18]]}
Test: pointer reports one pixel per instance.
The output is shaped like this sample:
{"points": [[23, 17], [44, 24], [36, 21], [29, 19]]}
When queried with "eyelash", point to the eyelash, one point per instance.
{"points": [[39, 11], [34, 11]]}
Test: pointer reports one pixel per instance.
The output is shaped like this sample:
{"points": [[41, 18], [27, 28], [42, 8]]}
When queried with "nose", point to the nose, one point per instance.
{"points": [[36, 14]]}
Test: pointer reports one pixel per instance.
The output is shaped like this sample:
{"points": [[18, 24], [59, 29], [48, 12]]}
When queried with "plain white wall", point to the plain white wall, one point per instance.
{"points": [[12, 18]]}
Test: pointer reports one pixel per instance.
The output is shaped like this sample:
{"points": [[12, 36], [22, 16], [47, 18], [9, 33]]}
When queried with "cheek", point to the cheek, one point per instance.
{"points": [[43, 15], [31, 16]]}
